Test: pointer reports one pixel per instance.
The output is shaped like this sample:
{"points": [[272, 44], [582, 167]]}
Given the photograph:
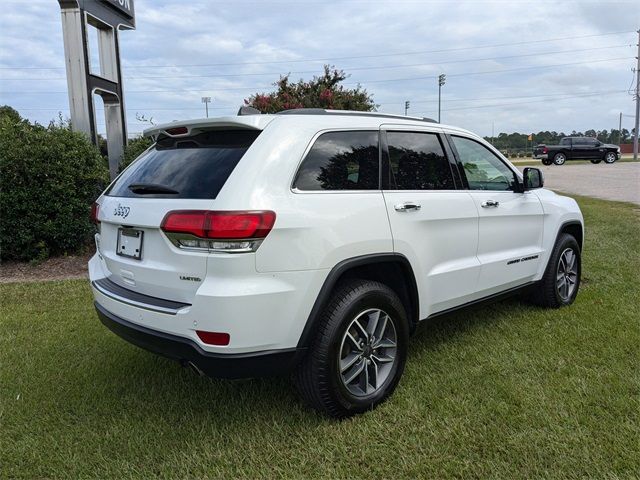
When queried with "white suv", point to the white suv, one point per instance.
{"points": [[314, 241]]}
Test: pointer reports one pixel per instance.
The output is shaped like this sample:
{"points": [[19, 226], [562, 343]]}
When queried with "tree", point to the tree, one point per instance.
{"points": [[49, 177], [324, 91]]}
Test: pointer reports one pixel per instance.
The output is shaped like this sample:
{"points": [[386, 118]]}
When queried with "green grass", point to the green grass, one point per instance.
{"points": [[503, 391]]}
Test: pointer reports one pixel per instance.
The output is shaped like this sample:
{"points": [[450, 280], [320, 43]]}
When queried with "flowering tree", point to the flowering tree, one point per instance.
{"points": [[324, 91]]}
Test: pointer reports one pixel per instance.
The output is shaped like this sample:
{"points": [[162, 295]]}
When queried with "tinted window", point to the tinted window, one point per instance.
{"points": [[417, 162], [565, 141], [580, 141], [194, 167], [341, 161], [483, 169]]}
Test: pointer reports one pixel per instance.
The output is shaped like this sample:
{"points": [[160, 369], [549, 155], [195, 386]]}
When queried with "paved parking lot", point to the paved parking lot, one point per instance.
{"points": [[620, 181]]}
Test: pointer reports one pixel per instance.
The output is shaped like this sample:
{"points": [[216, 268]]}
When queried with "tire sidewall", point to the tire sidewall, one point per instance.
{"points": [[607, 161], [557, 157], [374, 298]]}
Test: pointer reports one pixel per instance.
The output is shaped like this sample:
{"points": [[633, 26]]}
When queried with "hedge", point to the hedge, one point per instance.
{"points": [[49, 177]]}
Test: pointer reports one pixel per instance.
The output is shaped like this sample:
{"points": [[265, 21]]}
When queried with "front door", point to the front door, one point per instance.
{"points": [[510, 223], [433, 224]]}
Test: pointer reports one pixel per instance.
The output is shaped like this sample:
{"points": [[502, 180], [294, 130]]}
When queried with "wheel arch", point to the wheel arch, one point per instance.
{"points": [[574, 228], [392, 269]]}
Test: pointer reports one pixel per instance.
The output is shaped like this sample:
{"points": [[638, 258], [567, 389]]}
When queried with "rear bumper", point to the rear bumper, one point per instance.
{"points": [[541, 156], [184, 350]]}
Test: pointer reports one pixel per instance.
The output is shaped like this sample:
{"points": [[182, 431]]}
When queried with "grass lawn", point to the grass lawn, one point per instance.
{"points": [[502, 391]]}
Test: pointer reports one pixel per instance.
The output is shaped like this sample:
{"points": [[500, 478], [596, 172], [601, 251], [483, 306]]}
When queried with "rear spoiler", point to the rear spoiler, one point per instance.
{"points": [[185, 128]]}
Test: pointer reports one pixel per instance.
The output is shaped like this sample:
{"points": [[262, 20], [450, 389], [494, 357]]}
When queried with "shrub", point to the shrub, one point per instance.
{"points": [[133, 149], [49, 177]]}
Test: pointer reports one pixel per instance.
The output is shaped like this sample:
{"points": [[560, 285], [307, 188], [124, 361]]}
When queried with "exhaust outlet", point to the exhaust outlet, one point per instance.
{"points": [[193, 367]]}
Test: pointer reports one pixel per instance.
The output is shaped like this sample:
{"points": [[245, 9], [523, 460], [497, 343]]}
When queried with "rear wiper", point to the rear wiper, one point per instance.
{"points": [[150, 188]]}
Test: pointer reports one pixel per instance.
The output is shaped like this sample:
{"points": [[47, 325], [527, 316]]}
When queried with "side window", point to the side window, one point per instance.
{"points": [[417, 162], [341, 161], [565, 141], [483, 169]]}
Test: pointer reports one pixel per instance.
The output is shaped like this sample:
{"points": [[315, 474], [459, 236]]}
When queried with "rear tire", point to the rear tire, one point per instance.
{"points": [[561, 280], [347, 369], [547, 162], [610, 158], [559, 158]]}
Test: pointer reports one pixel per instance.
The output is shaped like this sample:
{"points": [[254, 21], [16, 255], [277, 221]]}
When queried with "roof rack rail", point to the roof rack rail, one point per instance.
{"points": [[246, 110], [355, 113]]}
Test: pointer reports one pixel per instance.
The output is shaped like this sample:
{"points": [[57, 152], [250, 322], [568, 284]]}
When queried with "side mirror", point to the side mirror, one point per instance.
{"points": [[532, 178]]}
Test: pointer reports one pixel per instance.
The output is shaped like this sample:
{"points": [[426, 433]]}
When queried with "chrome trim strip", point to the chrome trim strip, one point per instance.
{"points": [[145, 306]]}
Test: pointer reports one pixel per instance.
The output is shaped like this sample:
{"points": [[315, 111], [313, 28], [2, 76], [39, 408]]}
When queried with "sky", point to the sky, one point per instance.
{"points": [[510, 65]]}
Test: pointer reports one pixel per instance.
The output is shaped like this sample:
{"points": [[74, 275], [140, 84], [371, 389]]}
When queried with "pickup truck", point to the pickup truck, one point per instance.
{"points": [[577, 148]]}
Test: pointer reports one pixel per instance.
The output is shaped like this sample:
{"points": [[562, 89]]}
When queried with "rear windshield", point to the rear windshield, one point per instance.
{"points": [[188, 167]]}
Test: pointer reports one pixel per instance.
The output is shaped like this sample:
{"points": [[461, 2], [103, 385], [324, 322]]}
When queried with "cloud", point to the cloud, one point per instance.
{"points": [[242, 47]]}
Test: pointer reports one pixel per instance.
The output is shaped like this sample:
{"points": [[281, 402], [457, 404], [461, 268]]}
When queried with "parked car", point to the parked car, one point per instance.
{"points": [[315, 241], [577, 148]]}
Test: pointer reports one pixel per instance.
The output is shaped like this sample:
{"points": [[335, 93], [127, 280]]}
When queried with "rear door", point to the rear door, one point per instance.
{"points": [[184, 173], [582, 148], [510, 223], [434, 224], [566, 147]]}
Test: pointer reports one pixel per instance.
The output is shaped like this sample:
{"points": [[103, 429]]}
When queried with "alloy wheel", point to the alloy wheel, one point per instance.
{"points": [[567, 273], [368, 352]]}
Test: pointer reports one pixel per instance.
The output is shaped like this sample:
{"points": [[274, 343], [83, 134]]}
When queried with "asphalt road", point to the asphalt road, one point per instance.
{"points": [[620, 181]]}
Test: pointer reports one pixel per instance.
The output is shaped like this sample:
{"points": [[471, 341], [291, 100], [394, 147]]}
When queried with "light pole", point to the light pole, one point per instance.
{"points": [[635, 137], [441, 81], [406, 107], [206, 101]]}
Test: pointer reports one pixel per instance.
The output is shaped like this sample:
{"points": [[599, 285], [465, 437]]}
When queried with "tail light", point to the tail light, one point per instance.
{"points": [[545, 150], [95, 209], [218, 231]]}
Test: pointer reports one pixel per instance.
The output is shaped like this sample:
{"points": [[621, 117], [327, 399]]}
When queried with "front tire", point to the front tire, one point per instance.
{"points": [[559, 158], [359, 351], [610, 157], [561, 280]]}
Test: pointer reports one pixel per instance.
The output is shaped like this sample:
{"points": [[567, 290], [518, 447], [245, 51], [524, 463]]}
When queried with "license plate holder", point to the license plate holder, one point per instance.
{"points": [[130, 243]]}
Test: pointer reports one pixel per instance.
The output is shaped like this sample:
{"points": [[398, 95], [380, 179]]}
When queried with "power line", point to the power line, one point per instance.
{"points": [[568, 96], [449, 100], [462, 74], [525, 103], [422, 52], [349, 69]]}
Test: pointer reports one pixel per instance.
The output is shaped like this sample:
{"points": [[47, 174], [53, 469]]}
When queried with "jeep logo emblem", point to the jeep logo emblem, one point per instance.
{"points": [[121, 211]]}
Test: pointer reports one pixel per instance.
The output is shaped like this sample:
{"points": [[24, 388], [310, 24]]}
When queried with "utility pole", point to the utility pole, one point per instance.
{"points": [[620, 129], [206, 101], [635, 136], [441, 81], [406, 107]]}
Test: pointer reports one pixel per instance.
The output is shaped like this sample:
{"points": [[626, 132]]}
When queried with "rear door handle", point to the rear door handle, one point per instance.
{"points": [[490, 203], [407, 207]]}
